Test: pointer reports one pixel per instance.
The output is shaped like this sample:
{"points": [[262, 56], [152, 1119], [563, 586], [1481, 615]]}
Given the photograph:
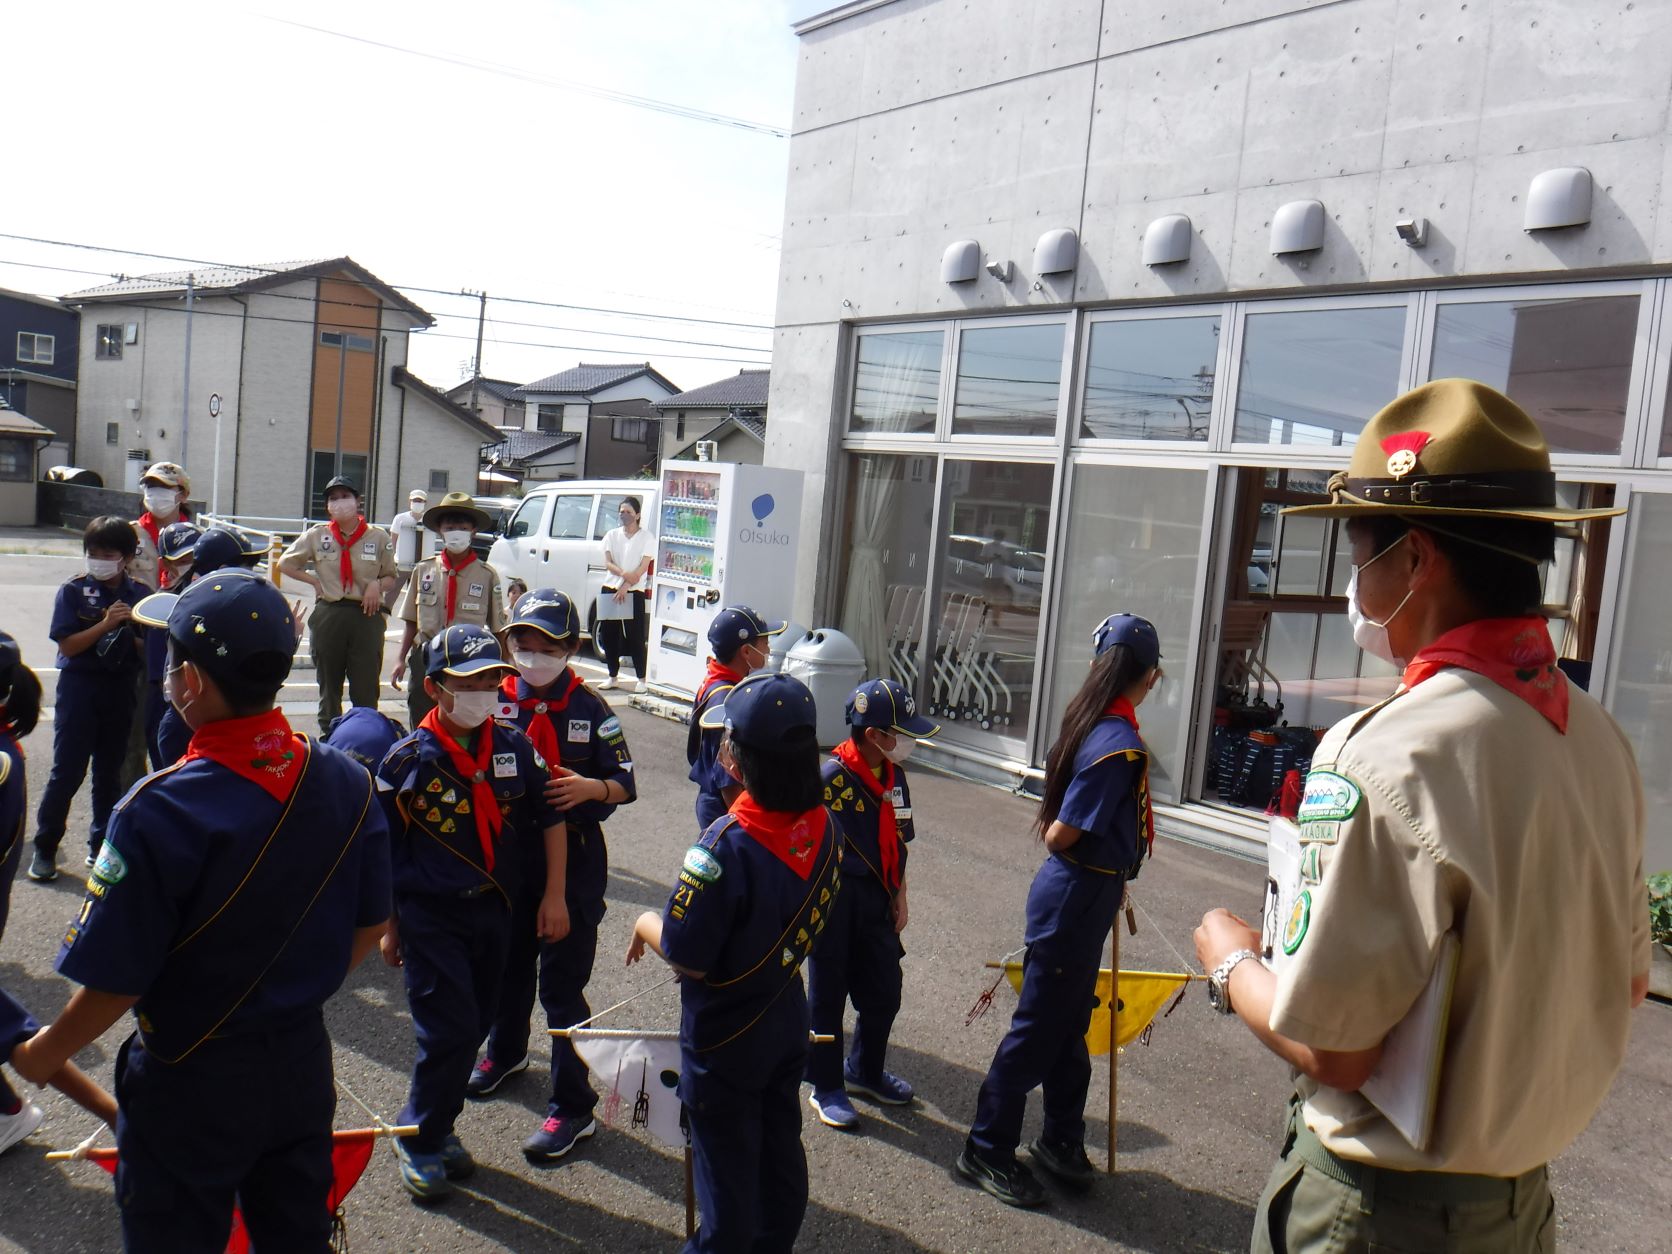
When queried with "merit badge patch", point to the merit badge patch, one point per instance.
{"points": [[1329, 798], [504, 766], [701, 865], [580, 730], [110, 866], [1294, 930]]}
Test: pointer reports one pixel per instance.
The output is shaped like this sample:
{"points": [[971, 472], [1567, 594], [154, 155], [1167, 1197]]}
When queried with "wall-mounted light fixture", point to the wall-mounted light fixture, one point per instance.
{"points": [[1297, 227], [1167, 240], [1560, 197], [1057, 252], [1000, 270], [1414, 231], [961, 262]]}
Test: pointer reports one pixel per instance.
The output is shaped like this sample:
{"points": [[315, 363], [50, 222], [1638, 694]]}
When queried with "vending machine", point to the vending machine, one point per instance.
{"points": [[726, 535]]}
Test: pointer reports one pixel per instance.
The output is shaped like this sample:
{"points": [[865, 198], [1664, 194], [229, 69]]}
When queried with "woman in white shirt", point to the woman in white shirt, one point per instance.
{"points": [[628, 550]]}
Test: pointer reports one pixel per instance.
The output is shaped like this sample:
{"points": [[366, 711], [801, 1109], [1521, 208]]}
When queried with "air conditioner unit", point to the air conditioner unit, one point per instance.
{"points": [[708, 450]]}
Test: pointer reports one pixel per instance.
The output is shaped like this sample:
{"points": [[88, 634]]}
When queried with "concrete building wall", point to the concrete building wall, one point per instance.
{"points": [[435, 441], [269, 464]]}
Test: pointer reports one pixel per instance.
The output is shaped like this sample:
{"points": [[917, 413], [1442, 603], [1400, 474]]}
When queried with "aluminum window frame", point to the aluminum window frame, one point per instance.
{"points": [[1152, 313], [1065, 380], [844, 415]]}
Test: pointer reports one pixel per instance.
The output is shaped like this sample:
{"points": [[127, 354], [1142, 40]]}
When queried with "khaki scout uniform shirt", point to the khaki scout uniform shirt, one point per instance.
{"points": [[480, 602], [1456, 806], [371, 557]]}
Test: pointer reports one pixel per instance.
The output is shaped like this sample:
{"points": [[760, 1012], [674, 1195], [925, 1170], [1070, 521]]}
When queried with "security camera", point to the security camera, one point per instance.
{"points": [[1414, 231]]}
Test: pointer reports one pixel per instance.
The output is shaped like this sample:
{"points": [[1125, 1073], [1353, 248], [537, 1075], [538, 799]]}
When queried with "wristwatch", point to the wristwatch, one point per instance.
{"points": [[1219, 983]]}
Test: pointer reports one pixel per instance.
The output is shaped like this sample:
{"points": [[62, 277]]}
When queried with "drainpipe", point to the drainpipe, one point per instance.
{"points": [[238, 402], [376, 458]]}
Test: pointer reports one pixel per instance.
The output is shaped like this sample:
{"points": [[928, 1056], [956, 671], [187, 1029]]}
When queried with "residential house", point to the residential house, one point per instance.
{"points": [[729, 412], [564, 402], [531, 457], [39, 346], [21, 439], [623, 440], [304, 358], [437, 444], [494, 401]]}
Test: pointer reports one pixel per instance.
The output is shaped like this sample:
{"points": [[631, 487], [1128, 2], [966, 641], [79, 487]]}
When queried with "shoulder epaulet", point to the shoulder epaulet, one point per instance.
{"points": [[718, 828]]}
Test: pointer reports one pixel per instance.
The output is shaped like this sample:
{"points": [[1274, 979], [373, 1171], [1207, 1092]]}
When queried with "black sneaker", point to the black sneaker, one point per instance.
{"points": [[42, 869], [1012, 1183], [1068, 1163]]}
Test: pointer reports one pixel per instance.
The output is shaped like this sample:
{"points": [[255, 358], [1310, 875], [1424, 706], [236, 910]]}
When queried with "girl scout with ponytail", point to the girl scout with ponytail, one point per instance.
{"points": [[1096, 824]]}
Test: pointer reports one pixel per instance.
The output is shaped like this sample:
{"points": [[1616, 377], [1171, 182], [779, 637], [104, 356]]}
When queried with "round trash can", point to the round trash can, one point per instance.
{"points": [[831, 666], [781, 644]]}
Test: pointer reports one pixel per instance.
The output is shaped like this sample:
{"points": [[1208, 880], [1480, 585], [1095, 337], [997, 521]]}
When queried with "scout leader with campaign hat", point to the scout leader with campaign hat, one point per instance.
{"points": [[1097, 828], [739, 640], [753, 895], [225, 954], [466, 799], [1488, 809], [452, 587], [591, 774], [859, 957], [174, 552]]}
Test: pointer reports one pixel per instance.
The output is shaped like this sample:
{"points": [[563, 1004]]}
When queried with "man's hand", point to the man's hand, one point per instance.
{"points": [[371, 601], [901, 914], [118, 614], [566, 790], [552, 922], [398, 673], [1221, 935], [390, 947]]}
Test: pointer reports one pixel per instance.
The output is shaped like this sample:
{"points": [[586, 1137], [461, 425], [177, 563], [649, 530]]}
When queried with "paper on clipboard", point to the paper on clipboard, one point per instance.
{"points": [[609, 609], [1283, 856]]}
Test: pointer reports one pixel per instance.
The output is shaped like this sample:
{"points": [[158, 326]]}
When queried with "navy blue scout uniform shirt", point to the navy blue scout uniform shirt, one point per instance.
{"points": [[1102, 799], [192, 893], [435, 848], [702, 750], [81, 602], [860, 811]]}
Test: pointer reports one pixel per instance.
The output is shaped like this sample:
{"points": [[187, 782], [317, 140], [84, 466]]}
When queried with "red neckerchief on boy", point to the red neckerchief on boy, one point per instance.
{"points": [[483, 803], [888, 830], [794, 839], [453, 566], [717, 673], [262, 748], [151, 527], [1514, 653], [343, 543], [1120, 707], [542, 729]]}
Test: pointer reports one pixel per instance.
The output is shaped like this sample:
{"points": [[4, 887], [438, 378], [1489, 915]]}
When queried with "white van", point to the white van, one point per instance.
{"points": [[556, 537]]}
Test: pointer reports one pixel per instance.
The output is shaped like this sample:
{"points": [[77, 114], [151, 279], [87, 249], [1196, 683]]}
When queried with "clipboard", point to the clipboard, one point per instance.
{"points": [[611, 610]]}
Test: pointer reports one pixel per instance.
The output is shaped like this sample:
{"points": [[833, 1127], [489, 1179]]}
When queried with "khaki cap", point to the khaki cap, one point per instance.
{"points": [[167, 475], [457, 503]]}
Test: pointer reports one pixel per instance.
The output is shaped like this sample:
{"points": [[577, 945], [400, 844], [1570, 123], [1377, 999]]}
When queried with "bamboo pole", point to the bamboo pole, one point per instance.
{"points": [[690, 1196], [653, 1034], [1114, 1050]]}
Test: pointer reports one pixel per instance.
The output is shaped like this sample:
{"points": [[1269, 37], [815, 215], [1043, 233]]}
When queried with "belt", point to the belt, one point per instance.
{"points": [[477, 891]]}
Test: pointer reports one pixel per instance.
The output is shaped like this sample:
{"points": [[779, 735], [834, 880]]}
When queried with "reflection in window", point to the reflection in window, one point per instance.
{"points": [[1316, 377], [896, 384], [891, 504], [1642, 681], [1008, 380], [1566, 362], [1150, 379]]}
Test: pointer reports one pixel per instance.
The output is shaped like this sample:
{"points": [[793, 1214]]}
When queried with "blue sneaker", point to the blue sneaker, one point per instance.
{"points": [[834, 1109], [888, 1089], [557, 1136], [455, 1158], [488, 1075], [424, 1175]]}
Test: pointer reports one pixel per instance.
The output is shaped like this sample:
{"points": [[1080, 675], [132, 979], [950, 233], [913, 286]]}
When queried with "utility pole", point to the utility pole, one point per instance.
{"points": [[186, 386], [476, 366]]}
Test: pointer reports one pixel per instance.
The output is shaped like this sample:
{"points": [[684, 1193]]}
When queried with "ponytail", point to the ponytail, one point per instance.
{"points": [[1113, 673]]}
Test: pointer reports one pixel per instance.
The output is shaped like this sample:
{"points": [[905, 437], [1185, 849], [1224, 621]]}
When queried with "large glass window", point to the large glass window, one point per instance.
{"points": [[891, 506], [1008, 380], [1643, 666], [1566, 362], [1134, 546], [1150, 379], [1316, 376], [896, 383]]}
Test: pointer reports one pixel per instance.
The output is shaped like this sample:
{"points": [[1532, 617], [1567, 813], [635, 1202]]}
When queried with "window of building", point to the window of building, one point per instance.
{"points": [[438, 481], [571, 515], [679, 427], [550, 418], [17, 460], [1009, 379], [1316, 376], [891, 502], [326, 467], [628, 430], [1641, 678], [107, 343], [347, 339], [113, 433], [35, 349], [1150, 379], [896, 385]]}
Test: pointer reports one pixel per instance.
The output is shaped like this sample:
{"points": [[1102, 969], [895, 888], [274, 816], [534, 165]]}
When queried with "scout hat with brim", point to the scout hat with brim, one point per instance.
{"points": [[233, 623], [463, 649], [1452, 447], [457, 503]]}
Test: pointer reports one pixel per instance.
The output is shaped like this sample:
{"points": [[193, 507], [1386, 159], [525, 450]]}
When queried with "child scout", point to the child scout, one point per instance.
{"points": [[739, 638], [234, 893]]}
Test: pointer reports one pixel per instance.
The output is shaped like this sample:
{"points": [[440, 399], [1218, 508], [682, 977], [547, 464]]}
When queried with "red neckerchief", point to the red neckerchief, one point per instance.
{"points": [[343, 543], [453, 577], [717, 673], [888, 830], [542, 728], [794, 839], [1514, 653], [489, 820], [261, 748], [1120, 707]]}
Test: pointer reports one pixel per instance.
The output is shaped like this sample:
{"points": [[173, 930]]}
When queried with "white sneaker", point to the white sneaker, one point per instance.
{"points": [[13, 1128], [606, 683], [640, 687]]}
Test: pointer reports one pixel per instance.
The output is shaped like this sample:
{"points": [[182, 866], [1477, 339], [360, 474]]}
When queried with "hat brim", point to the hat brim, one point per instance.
{"points": [[483, 522], [153, 611], [1349, 506], [772, 629], [916, 726], [535, 625], [473, 666], [713, 718]]}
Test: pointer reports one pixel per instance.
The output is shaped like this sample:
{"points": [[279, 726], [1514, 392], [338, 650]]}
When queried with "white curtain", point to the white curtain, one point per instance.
{"points": [[864, 605]]}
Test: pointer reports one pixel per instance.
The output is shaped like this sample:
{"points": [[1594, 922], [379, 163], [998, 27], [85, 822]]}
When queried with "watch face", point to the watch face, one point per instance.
{"points": [[1216, 996]]}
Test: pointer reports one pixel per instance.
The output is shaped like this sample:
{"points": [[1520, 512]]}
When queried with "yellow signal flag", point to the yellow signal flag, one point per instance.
{"points": [[1142, 995]]}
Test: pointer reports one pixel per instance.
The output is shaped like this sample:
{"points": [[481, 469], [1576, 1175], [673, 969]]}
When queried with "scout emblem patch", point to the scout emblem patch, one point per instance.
{"points": [[1403, 449], [1294, 928], [580, 730], [610, 728], [1329, 798], [110, 866], [702, 865], [504, 765]]}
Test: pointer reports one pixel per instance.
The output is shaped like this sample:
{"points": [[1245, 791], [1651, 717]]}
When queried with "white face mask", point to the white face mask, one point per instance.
{"points": [[539, 669], [343, 508], [902, 748], [1368, 634], [161, 501], [175, 697], [103, 567], [472, 709], [455, 541]]}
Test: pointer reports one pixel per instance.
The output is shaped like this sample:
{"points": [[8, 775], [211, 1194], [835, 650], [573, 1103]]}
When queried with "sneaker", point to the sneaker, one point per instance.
{"points": [[1011, 1182], [455, 1158], [489, 1075], [42, 869], [889, 1089], [13, 1128], [834, 1109], [557, 1136], [90, 861], [1067, 1162], [641, 686], [424, 1175], [606, 683]]}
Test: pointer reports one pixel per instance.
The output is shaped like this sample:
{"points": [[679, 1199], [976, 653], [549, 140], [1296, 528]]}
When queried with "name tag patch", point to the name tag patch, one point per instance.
{"points": [[504, 766], [580, 730], [1330, 798]]}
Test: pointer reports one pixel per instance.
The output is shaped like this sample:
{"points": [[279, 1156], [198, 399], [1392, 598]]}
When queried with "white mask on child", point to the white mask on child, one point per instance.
{"points": [[343, 509], [455, 541], [902, 748], [161, 501], [102, 568], [472, 709], [539, 669]]}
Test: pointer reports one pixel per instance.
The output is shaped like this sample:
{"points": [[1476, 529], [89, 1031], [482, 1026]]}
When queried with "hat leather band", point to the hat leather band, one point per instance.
{"points": [[1503, 489]]}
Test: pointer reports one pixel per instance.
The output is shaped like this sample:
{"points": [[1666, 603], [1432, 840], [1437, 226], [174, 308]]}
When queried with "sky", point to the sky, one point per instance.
{"points": [[232, 133]]}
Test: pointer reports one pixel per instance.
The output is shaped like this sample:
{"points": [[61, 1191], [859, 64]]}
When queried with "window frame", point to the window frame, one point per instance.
{"points": [[526, 505], [1066, 373], [621, 422], [23, 448], [113, 433], [34, 358], [108, 340], [540, 416], [1224, 368], [856, 439], [439, 480]]}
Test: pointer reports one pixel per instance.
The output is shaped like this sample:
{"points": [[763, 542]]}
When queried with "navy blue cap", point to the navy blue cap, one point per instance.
{"points": [[341, 481], [463, 650], [10, 653], [218, 547], [176, 540], [547, 611], [233, 623], [886, 704], [737, 625], [763, 709], [1137, 634], [365, 734]]}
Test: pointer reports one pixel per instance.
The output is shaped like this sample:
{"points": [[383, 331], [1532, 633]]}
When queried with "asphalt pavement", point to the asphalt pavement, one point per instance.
{"points": [[1200, 1106]]}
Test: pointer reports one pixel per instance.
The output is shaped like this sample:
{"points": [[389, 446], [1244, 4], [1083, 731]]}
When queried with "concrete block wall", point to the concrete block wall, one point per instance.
{"points": [[272, 410]]}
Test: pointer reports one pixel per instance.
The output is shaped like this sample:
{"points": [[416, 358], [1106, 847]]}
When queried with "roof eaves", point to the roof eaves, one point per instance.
{"points": [[406, 379]]}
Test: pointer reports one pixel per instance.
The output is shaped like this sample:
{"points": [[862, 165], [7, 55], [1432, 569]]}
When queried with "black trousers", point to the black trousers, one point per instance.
{"points": [[626, 637]]}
